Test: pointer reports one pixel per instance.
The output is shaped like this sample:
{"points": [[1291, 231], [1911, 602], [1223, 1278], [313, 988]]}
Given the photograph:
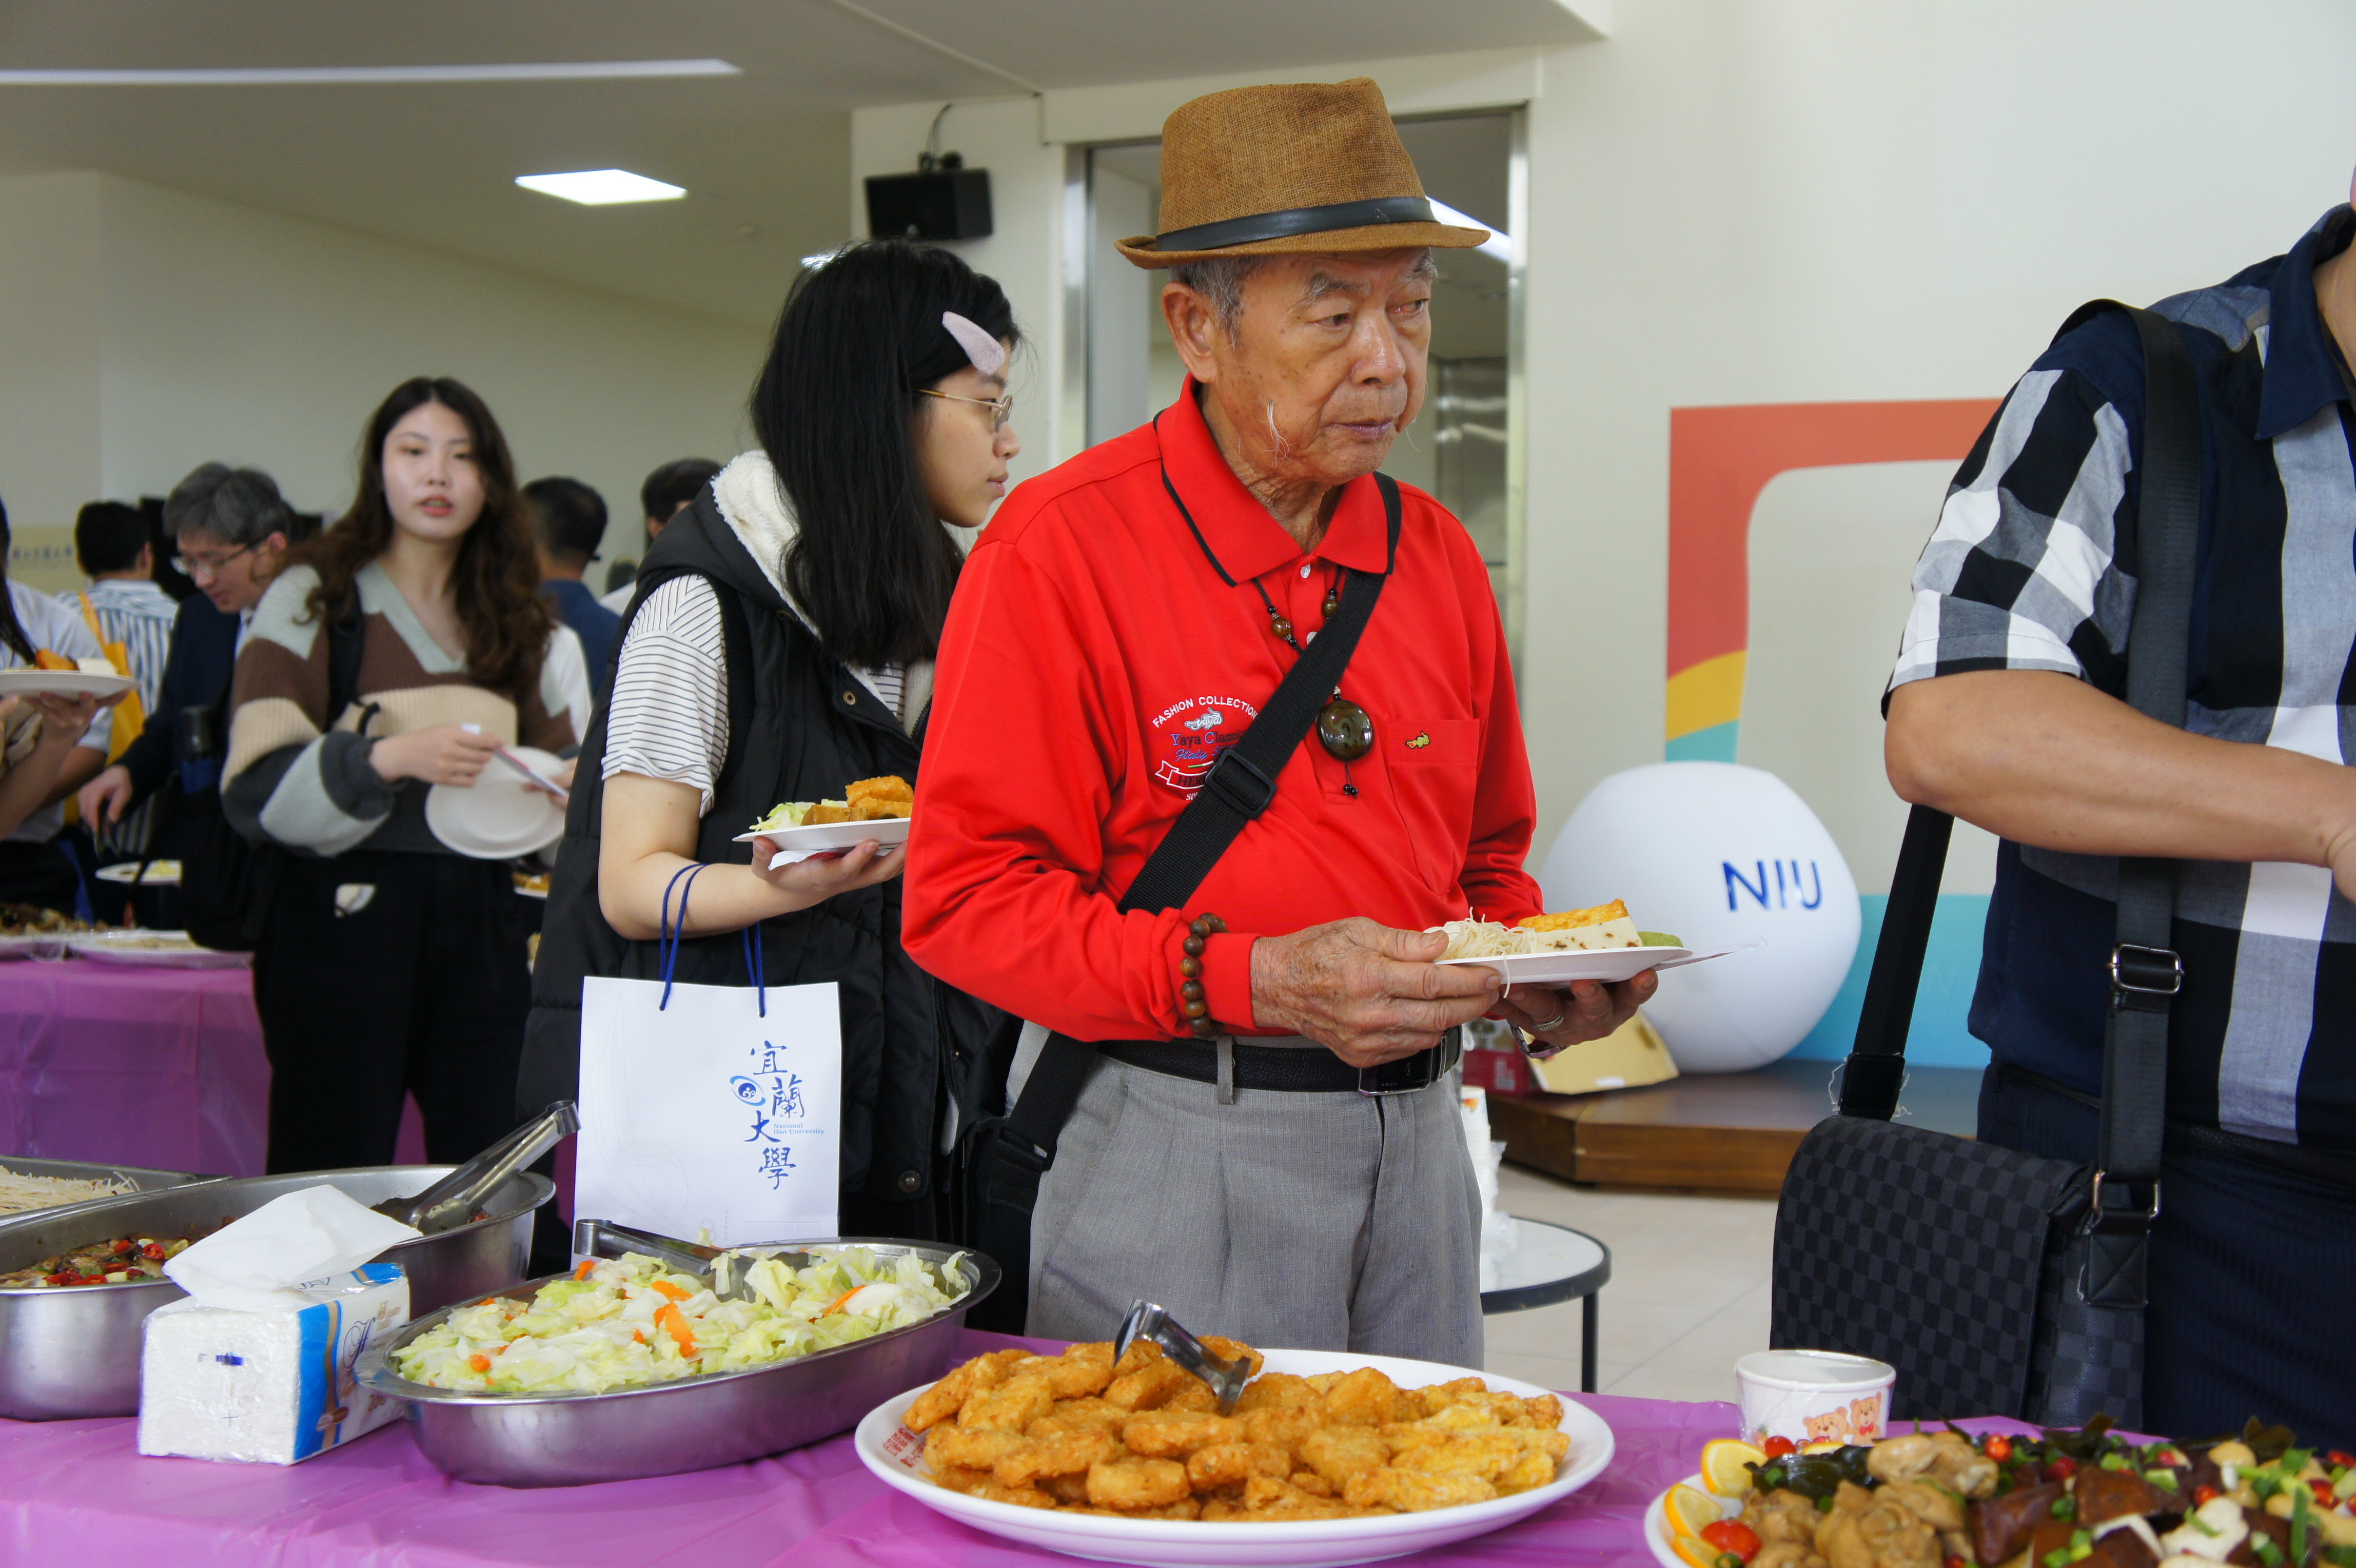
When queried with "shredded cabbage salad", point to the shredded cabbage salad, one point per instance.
{"points": [[622, 1322], [790, 814]]}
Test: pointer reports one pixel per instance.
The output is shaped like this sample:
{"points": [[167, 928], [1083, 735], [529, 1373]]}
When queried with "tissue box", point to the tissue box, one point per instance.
{"points": [[268, 1387]]}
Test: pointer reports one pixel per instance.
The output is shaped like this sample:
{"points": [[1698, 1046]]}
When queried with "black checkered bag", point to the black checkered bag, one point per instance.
{"points": [[1998, 1283]]}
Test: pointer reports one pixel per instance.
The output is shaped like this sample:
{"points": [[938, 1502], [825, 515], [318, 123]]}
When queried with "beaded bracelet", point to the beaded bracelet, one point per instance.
{"points": [[1191, 1004]]}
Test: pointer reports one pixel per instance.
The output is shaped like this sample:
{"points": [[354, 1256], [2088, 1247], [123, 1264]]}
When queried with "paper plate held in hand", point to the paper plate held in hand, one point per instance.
{"points": [[1610, 965], [885, 830], [498, 816], [61, 683]]}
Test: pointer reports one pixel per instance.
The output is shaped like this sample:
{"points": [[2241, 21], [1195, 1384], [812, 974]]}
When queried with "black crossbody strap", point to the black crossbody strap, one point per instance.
{"points": [[1877, 1062], [1240, 789], [2146, 972]]}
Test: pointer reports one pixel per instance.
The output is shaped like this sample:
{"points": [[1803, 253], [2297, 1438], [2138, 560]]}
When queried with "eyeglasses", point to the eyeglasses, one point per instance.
{"points": [[207, 566], [1002, 408]]}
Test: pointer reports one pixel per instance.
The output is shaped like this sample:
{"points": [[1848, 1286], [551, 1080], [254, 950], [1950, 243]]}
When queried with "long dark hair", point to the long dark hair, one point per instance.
{"points": [[835, 409], [11, 631], [496, 580]]}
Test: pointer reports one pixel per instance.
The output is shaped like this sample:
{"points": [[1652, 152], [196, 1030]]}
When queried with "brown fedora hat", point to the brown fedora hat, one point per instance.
{"points": [[1303, 166]]}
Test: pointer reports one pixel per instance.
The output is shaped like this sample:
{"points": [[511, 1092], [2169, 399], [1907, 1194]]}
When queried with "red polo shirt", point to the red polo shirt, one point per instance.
{"points": [[1093, 667]]}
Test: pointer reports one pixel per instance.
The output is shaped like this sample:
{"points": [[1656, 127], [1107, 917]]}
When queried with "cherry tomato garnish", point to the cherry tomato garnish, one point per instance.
{"points": [[1732, 1535], [2340, 1458], [2322, 1491], [2061, 1469], [1776, 1447], [155, 1251], [1955, 1560], [2000, 1447], [2201, 1494], [121, 1245]]}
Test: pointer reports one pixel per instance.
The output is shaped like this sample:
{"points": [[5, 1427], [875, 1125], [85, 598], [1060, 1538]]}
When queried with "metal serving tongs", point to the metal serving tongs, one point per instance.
{"points": [[481, 1176], [723, 1268], [1147, 1320]]}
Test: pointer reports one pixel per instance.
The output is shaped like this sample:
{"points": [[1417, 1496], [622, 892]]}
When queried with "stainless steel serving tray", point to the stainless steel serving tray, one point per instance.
{"points": [[696, 1423], [141, 1178], [71, 1352]]}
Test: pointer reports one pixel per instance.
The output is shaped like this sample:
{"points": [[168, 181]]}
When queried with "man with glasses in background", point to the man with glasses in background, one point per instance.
{"points": [[233, 528]]}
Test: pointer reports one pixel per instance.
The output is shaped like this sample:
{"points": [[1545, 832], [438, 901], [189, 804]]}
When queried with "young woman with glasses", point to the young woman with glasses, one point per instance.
{"points": [[781, 649], [390, 961]]}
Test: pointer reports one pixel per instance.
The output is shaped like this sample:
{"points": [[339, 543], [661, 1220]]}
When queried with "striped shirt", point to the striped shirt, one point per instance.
{"points": [[2032, 567], [137, 614]]}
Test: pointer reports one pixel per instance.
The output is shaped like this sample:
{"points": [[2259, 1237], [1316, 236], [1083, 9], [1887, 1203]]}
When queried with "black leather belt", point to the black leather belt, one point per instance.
{"points": [[1290, 1069]]}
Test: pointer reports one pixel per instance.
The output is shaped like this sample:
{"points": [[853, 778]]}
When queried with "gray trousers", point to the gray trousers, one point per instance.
{"points": [[1306, 1221]]}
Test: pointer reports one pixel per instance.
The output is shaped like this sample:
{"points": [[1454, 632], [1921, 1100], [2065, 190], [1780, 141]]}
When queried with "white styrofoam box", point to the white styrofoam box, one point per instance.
{"points": [[268, 1387], [1717, 855]]}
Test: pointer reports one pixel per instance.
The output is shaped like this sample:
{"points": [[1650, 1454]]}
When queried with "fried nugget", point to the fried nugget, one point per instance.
{"points": [[1069, 1453], [1140, 1353], [1068, 1490], [1193, 1394], [1220, 1464], [946, 1397], [1534, 1468], [962, 1447], [1285, 1427], [1364, 1398], [1021, 1497], [1310, 1481], [1012, 1406], [1415, 1491], [1487, 1455], [952, 1477], [1184, 1507], [1067, 1377], [1266, 1499], [879, 810], [1544, 1411], [1277, 1390], [1137, 1483], [1338, 1452], [1233, 1350], [1176, 1434], [890, 787], [1078, 1416], [825, 811], [1148, 1386]]}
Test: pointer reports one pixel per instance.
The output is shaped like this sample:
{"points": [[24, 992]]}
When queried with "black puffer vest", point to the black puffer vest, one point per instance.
{"points": [[801, 727]]}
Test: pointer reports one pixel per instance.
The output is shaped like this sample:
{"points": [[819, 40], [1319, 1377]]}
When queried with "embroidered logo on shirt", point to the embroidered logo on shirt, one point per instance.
{"points": [[1189, 736], [1422, 738]]}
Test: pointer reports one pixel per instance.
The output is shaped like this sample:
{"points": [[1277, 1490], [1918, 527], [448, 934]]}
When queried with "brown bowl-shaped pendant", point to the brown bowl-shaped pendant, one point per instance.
{"points": [[1344, 730]]}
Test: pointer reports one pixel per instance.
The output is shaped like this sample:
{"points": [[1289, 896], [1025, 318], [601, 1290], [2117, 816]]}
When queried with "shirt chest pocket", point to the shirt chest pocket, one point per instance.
{"points": [[1434, 766]]}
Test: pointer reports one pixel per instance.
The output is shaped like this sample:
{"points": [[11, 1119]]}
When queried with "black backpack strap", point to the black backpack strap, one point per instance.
{"points": [[346, 641], [1239, 789]]}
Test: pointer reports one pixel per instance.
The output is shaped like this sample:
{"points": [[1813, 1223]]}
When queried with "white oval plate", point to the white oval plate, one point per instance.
{"points": [[61, 683], [1311, 1544], [37, 944], [1656, 1523], [1610, 965], [160, 874], [886, 831], [155, 950], [498, 816]]}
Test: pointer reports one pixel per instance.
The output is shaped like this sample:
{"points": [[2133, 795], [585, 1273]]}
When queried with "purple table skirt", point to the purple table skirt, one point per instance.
{"points": [[378, 1504], [120, 1064]]}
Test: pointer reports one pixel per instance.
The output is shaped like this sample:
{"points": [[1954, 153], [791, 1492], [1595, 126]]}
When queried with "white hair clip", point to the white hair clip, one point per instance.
{"points": [[988, 354]]}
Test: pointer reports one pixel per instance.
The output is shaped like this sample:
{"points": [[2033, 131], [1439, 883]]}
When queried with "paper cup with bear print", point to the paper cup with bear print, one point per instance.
{"points": [[1814, 1396]]}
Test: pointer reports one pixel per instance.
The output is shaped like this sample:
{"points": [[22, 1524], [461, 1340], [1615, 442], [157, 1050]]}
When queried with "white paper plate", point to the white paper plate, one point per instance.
{"points": [[498, 816], [153, 949], [36, 944], [61, 683], [1656, 1524], [160, 873], [886, 833], [1608, 964], [1310, 1543]]}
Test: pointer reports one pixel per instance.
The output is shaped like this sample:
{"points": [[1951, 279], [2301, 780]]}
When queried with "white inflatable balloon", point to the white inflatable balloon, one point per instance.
{"points": [[1717, 855]]}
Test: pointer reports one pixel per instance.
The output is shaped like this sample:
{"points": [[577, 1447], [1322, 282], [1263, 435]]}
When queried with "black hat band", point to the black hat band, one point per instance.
{"points": [[1294, 220]]}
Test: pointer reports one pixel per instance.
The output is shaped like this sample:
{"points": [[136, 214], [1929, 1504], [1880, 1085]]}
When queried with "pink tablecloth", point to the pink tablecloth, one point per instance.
{"points": [[130, 1066], [378, 1504]]}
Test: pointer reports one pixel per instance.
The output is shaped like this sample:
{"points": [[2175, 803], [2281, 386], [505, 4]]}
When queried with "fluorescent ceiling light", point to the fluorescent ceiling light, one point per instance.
{"points": [[347, 75], [1498, 244], [601, 186]]}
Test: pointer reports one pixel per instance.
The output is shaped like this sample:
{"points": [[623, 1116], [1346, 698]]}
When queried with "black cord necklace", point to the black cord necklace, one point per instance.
{"points": [[1344, 728]]}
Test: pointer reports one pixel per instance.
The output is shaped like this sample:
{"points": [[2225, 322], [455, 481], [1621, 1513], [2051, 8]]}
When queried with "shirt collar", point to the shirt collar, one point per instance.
{"points": [[2300, 376], [1240, 532]]}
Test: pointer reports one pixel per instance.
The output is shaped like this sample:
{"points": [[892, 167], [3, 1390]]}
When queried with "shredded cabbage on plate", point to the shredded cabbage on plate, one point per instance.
{"points": [[623, 1322], [789, 814]]}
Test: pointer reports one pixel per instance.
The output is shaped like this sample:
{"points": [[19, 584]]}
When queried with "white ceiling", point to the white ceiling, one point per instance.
{"points": [[764, 156]]}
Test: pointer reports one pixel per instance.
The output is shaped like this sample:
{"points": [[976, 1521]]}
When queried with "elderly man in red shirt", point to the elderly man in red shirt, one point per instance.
{"points": [[1233, 1155]]}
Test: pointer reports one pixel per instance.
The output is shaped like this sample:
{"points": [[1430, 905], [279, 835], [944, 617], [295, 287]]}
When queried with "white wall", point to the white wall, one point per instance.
{"points": [[143, 331], [1784, 200]]}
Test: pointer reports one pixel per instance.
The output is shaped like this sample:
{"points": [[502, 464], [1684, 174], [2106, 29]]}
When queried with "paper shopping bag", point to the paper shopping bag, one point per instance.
{"points": [[710, 1108]]}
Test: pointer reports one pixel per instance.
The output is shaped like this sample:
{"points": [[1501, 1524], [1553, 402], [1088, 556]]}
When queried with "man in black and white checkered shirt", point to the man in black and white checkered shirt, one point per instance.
{"points": [[2006, 710]]}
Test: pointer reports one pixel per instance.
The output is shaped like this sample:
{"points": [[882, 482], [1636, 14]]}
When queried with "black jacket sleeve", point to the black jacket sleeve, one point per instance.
{"points": [[196, 674]]}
